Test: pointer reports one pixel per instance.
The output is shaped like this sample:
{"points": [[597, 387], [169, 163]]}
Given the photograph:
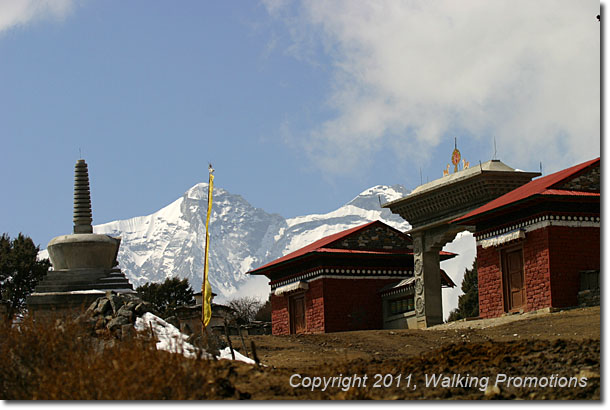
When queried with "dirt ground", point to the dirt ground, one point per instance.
{"points": [[530, 356]]}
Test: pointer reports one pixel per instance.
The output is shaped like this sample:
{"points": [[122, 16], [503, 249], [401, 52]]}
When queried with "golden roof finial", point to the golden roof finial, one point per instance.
{"points": [[455, 157]]}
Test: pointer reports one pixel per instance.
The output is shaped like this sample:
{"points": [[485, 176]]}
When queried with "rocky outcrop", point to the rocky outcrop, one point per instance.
{"points": [[115, 314]]}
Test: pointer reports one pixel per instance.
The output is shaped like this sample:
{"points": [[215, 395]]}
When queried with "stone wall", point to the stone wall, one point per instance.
{"points": [[589, 294], [589, 298], [116, 313], [377, 237], [588, 181]]}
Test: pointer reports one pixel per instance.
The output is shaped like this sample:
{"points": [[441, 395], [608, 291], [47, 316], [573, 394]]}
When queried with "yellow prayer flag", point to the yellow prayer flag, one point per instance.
{"points": [[206, 290]]}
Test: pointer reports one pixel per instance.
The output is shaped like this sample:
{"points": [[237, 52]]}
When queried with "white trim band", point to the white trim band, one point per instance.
{"points": [[345, 277], [502, 239], [344, 272], [543, 222], [291, 287]]}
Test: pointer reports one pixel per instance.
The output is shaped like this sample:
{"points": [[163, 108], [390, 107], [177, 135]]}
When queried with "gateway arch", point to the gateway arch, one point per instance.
{"points": [[431, 207]]}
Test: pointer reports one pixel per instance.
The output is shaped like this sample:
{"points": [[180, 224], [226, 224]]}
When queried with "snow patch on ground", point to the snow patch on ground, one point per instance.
{"points": [[226, 354], [172, 340], [169, 337]]}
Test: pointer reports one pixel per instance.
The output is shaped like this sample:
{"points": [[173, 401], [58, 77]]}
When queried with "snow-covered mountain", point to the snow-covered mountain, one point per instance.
{"points": [[303, 230], [170, 242]]}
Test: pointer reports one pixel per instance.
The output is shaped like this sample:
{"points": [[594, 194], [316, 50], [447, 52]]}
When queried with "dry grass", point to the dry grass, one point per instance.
{"points": [[42, 361]]}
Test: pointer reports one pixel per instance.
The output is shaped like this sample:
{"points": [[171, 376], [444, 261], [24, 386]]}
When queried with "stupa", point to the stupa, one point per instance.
{"points": [[84, 264]]}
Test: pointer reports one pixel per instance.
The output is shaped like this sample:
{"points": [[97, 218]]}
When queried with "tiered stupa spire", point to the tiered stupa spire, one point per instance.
{"points": [[84, 263], [82, 199]]}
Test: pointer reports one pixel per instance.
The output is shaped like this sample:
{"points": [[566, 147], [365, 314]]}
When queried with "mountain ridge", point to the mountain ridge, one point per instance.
{"points": [[170, 242]]}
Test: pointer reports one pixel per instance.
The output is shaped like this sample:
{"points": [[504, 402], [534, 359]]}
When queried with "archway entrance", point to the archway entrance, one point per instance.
{"points": [[431, 207]]}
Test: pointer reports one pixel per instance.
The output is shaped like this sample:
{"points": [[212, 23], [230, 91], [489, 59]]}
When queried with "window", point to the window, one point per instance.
{"points": [[402, 305]]}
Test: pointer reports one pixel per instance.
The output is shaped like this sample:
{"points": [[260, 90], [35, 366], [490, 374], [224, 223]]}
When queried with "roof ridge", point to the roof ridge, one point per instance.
{"points": [[579, 169], [319, 244], [534, 187]]}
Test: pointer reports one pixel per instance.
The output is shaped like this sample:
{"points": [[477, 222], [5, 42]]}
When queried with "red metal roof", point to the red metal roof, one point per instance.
{"points": [[540, 186], [380, 252], [320, 246], [565, 192], [321, 243]]}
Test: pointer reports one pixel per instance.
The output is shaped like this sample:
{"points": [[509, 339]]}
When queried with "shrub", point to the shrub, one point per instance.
{"points": [[62, 360], [245, 308]]}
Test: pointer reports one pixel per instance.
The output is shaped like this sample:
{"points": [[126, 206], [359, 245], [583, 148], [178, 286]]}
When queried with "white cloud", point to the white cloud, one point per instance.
{"points": [[19, 12], [254, 286], [274, 7], [405, 73]]}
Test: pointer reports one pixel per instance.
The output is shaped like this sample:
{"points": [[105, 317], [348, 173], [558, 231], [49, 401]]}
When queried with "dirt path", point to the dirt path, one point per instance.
{"points": [[297, 352], [561, 344]]}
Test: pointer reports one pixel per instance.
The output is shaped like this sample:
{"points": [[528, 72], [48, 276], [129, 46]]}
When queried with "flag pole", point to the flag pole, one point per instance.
{"points": [[206, 290]]}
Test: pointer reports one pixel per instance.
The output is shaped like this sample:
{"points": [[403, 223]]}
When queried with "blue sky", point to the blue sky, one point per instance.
{"points": [[299, 105]]}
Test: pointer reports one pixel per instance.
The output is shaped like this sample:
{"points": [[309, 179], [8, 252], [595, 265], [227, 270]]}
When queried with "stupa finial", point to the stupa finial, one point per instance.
{"points": [[82, 199]]}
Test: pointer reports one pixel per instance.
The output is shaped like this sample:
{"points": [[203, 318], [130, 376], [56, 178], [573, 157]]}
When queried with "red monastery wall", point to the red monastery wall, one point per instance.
{"points": [[572, 250], [314, 307], [552, 259], [334, 305], [314, 311], [536, 272], [536, 268], [491, 302], [353, 304], [280, 321]]}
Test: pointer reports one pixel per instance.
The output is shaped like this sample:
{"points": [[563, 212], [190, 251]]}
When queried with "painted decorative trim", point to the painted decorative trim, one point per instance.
{"points": [[408, 289], [355, 277], [291, 287], [419, 286], [345, 273], [502, 239], [543, 222], [419, 305]]}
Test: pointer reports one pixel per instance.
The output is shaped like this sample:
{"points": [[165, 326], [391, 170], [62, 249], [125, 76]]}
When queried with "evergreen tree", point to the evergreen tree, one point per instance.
{"points": [[20, 271], [167, 296], [264, 313], [468, 303]]}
